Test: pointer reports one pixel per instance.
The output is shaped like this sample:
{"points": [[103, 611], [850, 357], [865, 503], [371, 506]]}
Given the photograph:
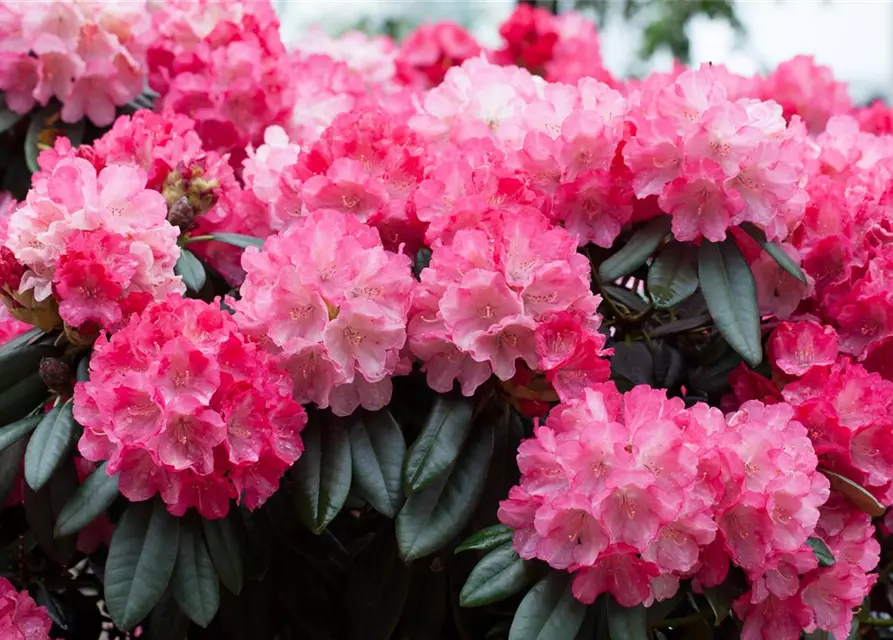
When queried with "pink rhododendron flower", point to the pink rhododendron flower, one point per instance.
{"points": [[485, 293], [99, 243], [90, 56], [331, 303], [425, 56], [807, 89], [182, 404], [796, 347], [20, 617]]}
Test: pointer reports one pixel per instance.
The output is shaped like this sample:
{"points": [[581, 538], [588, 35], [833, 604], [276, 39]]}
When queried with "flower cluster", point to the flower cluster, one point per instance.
{"points": [[425, 56], [224, 65], [331, 303], [562, 48], [90, 56], [633, 492], [97, 243], [181, 404], [20, 617], [509, 288]]}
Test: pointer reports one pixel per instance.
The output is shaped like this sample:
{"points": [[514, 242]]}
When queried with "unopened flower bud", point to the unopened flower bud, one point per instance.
{"points": [[56, 375], [181, 214]]}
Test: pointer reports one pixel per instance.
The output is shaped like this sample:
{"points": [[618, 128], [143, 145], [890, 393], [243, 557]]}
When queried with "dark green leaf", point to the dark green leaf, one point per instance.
{"points": [[92, 498], [731, 294], [672, 276], [39, 137], [8, 117], [195, 585], [822, 553], [680, 326], [626, 623], [660, 609], [49, 445], [855, 493], [776, 251], [633, 362], [498, 575], [625, 297], [720, 599], [239, 240], [18, 363], [42, 509], [12, 433], [549, 611], [377, 449], [439, 512], [20, 341], [636, 251], [48, 601], [21, 399], [225, 547], [486, 539], [141, 561], [377, 589], [422, 260], [191, 269], [440, 441], [83, 370], [10, 465], [323, 472]]}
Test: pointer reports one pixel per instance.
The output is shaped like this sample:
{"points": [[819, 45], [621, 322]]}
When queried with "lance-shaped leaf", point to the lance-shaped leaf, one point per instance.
{"points": [[377, 448], [672, 276], [855, 493], [486, 539], [499, 574], [440, 441], [776, 251], [92, 498], [195, 585], [18, 363], [141, 561], [731, 294], [435, 515], [191, 270], [636, 251], [225, 543], [22, 398], [549, 611], [238, 240], [626, 623], [323, 472], [49, 445]]}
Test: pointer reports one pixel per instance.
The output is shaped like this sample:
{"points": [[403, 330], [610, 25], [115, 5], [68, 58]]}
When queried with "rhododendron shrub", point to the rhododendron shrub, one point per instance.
{"points": [[349, 337]]}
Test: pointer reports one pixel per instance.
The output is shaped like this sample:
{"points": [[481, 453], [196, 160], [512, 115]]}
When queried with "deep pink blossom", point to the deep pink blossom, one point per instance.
{"points": [[20, 617]]}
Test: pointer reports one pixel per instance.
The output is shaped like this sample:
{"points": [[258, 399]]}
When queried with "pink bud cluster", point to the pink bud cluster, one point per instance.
{"points": [[90, 56], [331, 303], [182, 404], [633, 492], [509, 288], [99, 243], [20, 617]]}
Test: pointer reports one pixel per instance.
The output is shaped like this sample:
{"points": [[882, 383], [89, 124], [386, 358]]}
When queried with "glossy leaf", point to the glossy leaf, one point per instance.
{"points": [[486, 539], [672, 276], [22, 398], [377, 449], [636, 251], [549, 611], [195, 585], [49, 445], [25, 360], [29, 337], [730, 291], [856, 494], [440, 441], [10, 465], [822, 553], [141, 561], [225, 546], [435, 515], [626, 623], [323, 472], [93, 497], [497, 576], [720, 599], [776, 251], [191, 269], [238, 240], [12, 433]]}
